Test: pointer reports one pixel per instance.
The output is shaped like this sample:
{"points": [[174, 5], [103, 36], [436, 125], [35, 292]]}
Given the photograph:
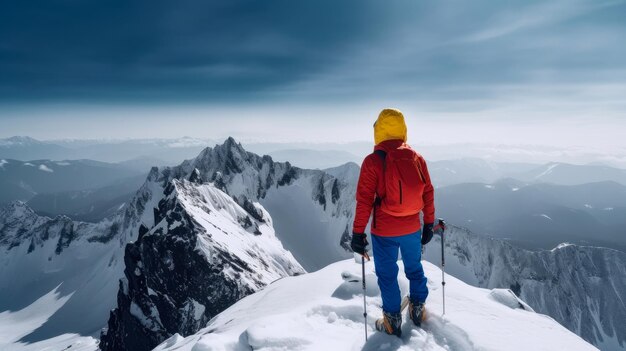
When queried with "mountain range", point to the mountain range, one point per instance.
{"points": [[22, 181], [198, 237], [581, 287], [539, 216]]}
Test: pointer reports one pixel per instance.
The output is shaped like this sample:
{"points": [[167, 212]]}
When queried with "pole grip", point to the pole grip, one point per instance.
{"points": [[441, 228]]}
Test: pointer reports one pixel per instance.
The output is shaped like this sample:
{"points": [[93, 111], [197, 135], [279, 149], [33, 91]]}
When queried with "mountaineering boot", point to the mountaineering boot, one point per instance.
{"points": [[391, 324], [417, 312]]}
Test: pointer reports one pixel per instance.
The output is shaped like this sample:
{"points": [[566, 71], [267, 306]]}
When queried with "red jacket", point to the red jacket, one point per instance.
{"points": [[371, 183]]}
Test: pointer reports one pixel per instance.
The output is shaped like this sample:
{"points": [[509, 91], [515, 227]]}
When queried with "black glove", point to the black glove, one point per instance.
{"points": [[359, 243], [427, 233]]}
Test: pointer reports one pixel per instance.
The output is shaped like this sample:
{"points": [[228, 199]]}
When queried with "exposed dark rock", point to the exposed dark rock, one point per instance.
{"points": [[346, 237], [335, 193], [252, 210], [174, 292], [66, 234], [320, 193], [288, 177]]}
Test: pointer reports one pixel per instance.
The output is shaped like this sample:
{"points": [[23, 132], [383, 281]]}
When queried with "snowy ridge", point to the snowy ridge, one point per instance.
{"points": [[324, 311], [19, 140], [310, 208], [580, 287], [203, 253], [229, 228], [81, 262]]}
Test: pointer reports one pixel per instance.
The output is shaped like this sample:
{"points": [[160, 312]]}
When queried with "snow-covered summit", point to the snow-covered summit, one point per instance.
{"points": [[348, 171], [19, 140], [20, 225], [14, 219], [242, 174], [16, 209], [312, 209], [324, 311]]}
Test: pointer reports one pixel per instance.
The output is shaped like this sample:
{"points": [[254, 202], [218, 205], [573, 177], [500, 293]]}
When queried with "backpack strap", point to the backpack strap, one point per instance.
{"points": [[383, 156], [419, 169], [378, 200]]}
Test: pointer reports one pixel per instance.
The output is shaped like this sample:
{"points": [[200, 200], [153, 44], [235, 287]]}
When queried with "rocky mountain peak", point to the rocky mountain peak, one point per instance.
{"points": [[229, 157], [16, 209], [203, 253]]}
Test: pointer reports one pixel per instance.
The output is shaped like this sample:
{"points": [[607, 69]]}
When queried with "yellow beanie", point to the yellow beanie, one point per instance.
{"points": [[389, 125]]}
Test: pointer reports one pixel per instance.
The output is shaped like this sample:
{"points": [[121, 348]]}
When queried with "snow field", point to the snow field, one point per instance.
{"points": [[324, 311], [16, 324]]}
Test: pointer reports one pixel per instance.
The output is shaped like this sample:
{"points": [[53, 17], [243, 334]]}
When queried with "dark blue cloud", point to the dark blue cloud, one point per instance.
{"points": [[245, 49], [161, 48]]}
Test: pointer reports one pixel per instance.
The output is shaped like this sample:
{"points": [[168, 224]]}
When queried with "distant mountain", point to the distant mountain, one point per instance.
{"points": [[358, 148], [580, 287], [59, 275], [144, 163], [539, 215], [21, 180], [569, 174], [476, 170], [90, 205], [449, 164], [472, 170], [26, 148], [19, 141], [315, 159], [166, 151], [170, 151], [348, 172]]}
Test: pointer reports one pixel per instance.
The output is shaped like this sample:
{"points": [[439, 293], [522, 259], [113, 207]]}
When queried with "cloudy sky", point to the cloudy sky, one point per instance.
{"points": [[534, 72]]}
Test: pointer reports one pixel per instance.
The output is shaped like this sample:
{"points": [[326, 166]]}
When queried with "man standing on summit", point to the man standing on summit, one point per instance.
{"points": [[394, 187]]}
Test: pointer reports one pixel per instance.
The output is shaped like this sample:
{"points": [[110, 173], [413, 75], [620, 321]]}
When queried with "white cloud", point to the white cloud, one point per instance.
{"points": [[45, 168], [546, 13]]}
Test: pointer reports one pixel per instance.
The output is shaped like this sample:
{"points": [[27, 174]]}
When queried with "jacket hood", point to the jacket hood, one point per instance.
{"points": [[389, 126], [389, 145]]}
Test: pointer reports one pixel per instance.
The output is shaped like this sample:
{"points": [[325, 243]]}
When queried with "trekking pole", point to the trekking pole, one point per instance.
{"points": [[364, 291], [441, 228]]}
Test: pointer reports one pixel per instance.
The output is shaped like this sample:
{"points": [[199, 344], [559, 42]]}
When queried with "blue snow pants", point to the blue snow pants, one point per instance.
{"points": [[385, 258]]}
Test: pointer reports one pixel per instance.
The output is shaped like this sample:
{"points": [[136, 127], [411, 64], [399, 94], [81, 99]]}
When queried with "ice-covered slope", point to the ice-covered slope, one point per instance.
{"points": [[41, 255], [324, 311], [581, 287], [76, 264]]}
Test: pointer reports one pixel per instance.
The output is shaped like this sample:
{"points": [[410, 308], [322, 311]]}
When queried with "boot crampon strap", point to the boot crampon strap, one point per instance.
{"points": [[417, 312], [391, 323]]}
